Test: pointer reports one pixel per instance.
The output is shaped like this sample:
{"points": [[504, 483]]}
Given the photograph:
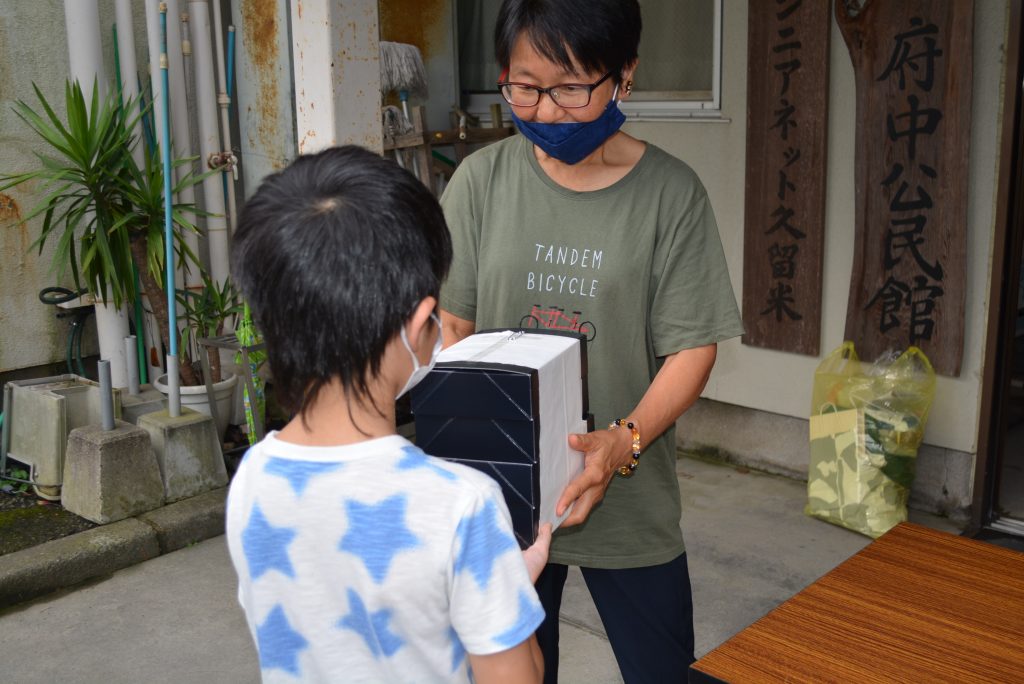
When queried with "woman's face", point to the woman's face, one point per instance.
{"points": [[526, 65]]}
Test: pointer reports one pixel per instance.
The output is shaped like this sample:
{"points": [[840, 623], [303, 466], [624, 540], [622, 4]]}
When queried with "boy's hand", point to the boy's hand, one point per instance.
{"points": [[536, 556]]}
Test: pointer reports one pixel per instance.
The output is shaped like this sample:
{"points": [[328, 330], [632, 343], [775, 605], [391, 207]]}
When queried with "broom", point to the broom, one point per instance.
{"points": [[402, 70]]}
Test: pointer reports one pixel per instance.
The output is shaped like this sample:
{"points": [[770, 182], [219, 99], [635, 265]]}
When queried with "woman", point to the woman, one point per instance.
{"points": [[577, 225]]}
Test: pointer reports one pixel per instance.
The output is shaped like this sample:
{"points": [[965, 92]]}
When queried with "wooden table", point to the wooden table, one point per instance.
{"points": [[915, 605]]}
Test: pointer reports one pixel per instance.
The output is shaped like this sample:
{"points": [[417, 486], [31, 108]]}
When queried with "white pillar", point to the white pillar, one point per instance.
{"points": [[85, 57], [129, 69], [336, 62]]}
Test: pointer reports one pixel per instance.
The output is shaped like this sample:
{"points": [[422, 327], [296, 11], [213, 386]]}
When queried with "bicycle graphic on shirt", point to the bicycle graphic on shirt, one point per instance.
{"points": [[555, 318]]}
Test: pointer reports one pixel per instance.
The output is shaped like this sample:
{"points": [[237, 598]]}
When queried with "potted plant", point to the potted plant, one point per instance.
{"points": [[103, 211], [206, 313]]}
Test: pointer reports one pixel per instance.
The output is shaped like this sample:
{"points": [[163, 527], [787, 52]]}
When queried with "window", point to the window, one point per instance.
{"points": [[680, 59]]}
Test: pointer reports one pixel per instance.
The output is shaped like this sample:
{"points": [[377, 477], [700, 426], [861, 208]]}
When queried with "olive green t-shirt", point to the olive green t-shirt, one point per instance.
{"points": [[637, 267]]}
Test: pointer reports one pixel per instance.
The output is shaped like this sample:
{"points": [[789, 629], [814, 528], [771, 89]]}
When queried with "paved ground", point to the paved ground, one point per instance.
{"points": [[175, 618]]}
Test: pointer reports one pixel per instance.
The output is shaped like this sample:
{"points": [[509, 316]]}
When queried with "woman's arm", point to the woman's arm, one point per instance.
{"points": [[523, 663], [454, 328], [674, 389]]}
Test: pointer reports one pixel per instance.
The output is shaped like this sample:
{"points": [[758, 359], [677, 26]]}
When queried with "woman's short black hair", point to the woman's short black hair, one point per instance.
{"points": [[332, 255], [603, 35]]}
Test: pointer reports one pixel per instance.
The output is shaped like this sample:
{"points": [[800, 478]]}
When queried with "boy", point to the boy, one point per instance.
{"points": [[360, 558]]}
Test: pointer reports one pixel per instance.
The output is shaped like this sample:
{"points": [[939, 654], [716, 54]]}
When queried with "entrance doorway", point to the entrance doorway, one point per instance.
{"points": [[999, 477]]}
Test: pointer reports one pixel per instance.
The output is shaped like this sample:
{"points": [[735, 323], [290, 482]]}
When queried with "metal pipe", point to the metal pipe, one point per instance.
{"points": [[180, 128], [224, 103], [177, 121], [173, 387], [106, 396], [174, 396], [231, 61], [155, 39], [132, 354], [209, 138], [190, 103]]}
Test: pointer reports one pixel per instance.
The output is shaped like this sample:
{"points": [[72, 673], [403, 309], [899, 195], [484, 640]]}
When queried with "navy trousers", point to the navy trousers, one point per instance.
{"points": [[647, 614]]}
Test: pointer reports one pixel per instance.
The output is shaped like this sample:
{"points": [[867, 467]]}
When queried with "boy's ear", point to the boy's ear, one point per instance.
{"points": [[419, 327]]}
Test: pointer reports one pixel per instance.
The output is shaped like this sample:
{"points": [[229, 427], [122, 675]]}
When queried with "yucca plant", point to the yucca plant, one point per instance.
{"points": [[103, 211], [207, 312]]}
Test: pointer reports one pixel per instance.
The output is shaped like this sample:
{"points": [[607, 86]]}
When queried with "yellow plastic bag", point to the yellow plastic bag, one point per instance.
{"points": [[867, 421]]}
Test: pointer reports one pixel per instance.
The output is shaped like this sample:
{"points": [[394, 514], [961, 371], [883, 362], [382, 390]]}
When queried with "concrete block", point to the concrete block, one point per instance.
{"points": [[110, 475], [780, 445], [188, 452], [68, 561], [944, 482], [188, 521], [148, 400], [40, 414], [765, 441]]}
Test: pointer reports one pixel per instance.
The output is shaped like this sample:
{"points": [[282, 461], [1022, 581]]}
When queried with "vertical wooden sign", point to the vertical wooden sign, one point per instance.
{"points": [[913, 66], [787, 128]]}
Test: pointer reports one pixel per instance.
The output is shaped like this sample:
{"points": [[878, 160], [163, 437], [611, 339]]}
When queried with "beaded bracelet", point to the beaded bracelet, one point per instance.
{"points": [[628, 469]]}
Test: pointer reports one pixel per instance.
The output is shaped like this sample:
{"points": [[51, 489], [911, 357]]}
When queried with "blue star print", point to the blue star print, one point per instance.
{"points": [[278, 643], [415, 458], [266, 546], [525, 623], [373, 627], [483, 540], [458, 650], [377, 532], [298, 473]]}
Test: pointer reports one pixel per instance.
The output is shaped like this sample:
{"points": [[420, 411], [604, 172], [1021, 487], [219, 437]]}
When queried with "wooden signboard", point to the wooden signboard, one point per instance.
{"points": [[787, 117], [913, 66]]}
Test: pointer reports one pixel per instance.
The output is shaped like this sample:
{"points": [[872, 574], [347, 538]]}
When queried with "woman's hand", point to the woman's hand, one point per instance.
{"points": [[604, 452], [536, 557]]}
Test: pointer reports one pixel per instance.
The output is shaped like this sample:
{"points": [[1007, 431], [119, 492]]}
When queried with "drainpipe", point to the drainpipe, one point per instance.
{"points": [[228, 159], [193, 124], [174, 391], [209, 137], [85, 57], [130, 93], [129, 67]]}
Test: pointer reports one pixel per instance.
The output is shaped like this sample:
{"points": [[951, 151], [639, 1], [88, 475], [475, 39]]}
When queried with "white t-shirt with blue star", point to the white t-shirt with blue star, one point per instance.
{"points": [[374, 563]]}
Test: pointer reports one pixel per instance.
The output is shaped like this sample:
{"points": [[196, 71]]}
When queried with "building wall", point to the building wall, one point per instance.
{"points": [[744, 376], [33, 49], [779, 382]]}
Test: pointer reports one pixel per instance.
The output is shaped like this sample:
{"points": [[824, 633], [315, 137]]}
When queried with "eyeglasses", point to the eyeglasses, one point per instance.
{"points": [[567, 95]]}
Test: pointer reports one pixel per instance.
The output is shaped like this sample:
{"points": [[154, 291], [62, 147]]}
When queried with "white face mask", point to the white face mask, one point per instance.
{"points": [[419, 372]]}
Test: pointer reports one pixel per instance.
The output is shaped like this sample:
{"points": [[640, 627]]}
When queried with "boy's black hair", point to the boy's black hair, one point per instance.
{"points": [[603, 35], [332, 255]]}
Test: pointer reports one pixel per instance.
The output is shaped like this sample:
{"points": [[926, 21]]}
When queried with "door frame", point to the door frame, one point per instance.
{"points": [[1008, 241]]}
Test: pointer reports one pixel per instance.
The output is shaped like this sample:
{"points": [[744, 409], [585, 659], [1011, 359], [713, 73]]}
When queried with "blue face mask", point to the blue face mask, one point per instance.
{"points": [[573, 142]]}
